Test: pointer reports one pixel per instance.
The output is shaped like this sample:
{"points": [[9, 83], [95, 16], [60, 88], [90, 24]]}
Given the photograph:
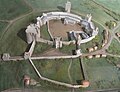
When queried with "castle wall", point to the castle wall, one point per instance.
{"points": [[29, 38]]}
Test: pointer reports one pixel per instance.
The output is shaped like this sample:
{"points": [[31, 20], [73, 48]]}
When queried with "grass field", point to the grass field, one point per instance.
{"points": [[9, 9], [41, 47], [3, 25], [113, 60], [75, 71], [118, 30], [68, 49], [54, 69], [114, 47], [11, 74], [111, 4], [15, 38], [44, 32], [58, 69], [102, 74]]}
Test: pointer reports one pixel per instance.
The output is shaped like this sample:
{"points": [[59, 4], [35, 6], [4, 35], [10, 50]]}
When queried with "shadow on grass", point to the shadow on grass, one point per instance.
{"points": [[22, 35], [28, 47], [34, 21], [79, 82], [61, 8]]}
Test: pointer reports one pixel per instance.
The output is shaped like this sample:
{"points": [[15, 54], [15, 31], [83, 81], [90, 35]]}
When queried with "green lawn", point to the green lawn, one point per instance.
{"points": [[58, 69], [68, 49], [44, 32], [102, 74], [118, 30], [112, 4], [114, 60], [41, 47], [75, 71], [14, 39], [3, 25], [45, 4], [9, 9], [114, 47], [54, 69], [11, 74]]}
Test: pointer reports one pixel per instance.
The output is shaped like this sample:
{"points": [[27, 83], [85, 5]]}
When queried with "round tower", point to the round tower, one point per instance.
{"points": [[85, 83], [68, 6]]}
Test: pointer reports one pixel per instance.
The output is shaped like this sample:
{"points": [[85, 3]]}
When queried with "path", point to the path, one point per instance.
{"points": [[114, 33], [53, 52], [28, 4], [110, 38], [53, 81], [13, 21], [5, 21], [69, 75], [17, 18], [113, 55], [105, 9]]}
